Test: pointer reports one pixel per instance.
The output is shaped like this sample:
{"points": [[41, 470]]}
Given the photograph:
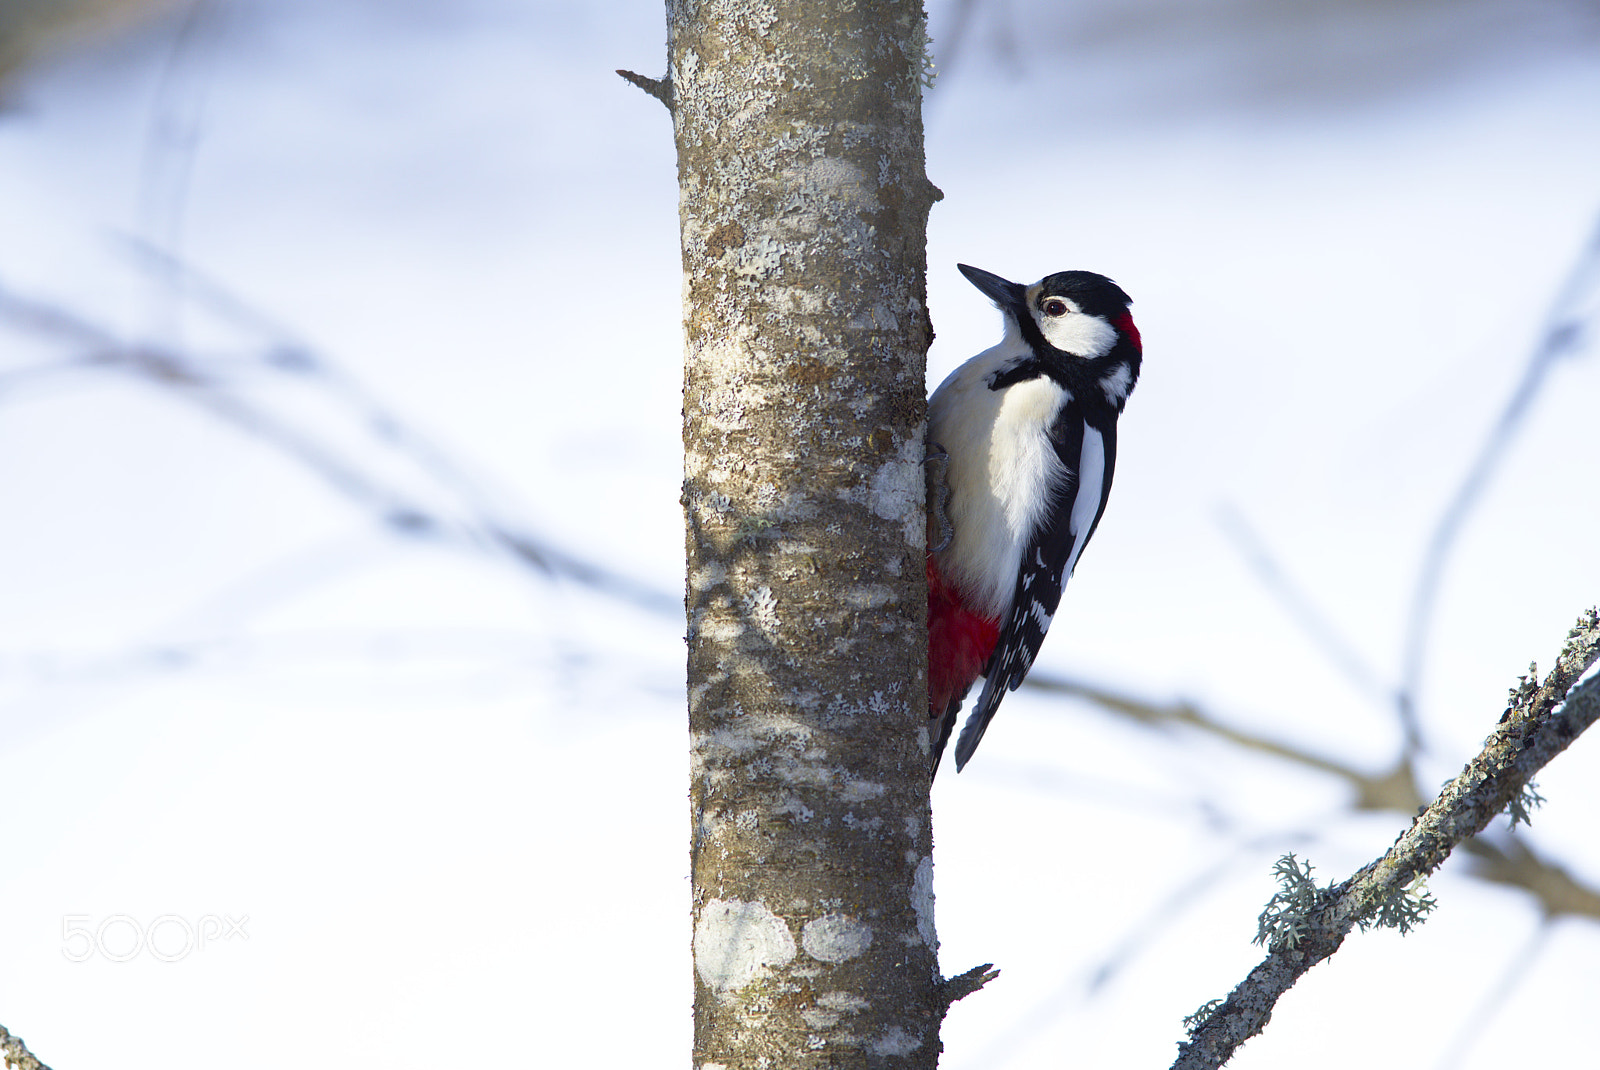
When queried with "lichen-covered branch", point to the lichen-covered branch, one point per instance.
{"points": [[14, 1055], [1542, 720]]}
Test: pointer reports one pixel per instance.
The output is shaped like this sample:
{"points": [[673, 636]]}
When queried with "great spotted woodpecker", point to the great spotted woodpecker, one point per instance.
{"points": [[1029, 433]]}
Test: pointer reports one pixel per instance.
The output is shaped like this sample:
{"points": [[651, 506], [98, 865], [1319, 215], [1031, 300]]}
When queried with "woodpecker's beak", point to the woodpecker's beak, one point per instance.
{"points": [[1007, 295]]}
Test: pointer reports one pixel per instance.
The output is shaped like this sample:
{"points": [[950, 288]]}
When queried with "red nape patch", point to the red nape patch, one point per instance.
{"points": [[959, 643], [1124, 323]]}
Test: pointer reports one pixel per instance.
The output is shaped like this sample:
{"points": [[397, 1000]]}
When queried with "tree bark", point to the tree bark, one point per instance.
{"points": [[804, 206]]}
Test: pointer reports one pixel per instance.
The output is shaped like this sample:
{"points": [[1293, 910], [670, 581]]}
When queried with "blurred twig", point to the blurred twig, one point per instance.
{"points": [[33, 32], [171, 143], [1561, 336], [1541, 722], [1146, 932], [1392, 790], [1512, 862], [1298, 604], [473, 522], [955, 34], [1500, 860], [1494, 999]]}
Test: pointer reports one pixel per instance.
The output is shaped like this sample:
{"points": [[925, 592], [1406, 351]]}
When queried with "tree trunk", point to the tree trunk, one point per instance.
{"points": [[804, 207]]}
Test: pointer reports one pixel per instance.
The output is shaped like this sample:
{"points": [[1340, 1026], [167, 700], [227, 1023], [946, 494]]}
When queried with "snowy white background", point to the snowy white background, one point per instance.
{"points": [[450, 793]]}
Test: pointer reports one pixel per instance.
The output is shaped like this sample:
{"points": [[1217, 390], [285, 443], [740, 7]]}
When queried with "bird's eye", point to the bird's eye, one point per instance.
{"points": [[1055, 307]]}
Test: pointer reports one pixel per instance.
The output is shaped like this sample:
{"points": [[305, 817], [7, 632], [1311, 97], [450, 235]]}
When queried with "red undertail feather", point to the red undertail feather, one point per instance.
{"points": [[959, 643]]}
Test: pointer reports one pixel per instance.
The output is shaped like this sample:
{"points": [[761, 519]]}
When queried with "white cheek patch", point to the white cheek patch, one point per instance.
{"points": [[1078, 334]]}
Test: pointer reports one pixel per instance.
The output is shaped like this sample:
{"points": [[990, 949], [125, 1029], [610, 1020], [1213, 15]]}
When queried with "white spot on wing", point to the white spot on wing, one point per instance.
{"points": [[1116, 384], [1091, 482]]}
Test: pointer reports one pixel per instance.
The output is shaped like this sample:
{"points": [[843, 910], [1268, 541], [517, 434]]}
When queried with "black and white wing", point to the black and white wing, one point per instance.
{"points": [[1089, 453]]}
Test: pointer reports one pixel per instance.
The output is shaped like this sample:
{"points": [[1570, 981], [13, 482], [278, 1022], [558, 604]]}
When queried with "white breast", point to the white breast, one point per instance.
{"points": [[1000, 470]]}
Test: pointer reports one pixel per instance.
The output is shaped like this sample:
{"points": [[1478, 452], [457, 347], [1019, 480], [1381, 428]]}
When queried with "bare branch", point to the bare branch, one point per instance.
{"points": [[660, 88], [14, 1055], [963, 985], [1540, 723]]}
